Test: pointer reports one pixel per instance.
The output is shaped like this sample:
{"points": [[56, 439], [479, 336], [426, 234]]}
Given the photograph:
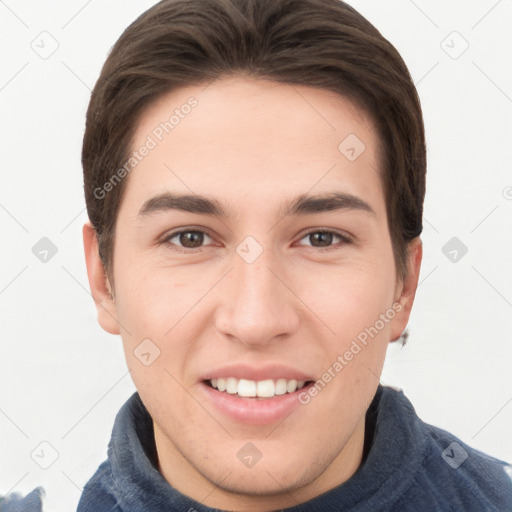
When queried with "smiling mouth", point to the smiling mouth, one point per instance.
{"points": [[245, 388]]}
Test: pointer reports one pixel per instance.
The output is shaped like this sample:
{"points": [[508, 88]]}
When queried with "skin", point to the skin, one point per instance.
{"points": [[253, 145]]}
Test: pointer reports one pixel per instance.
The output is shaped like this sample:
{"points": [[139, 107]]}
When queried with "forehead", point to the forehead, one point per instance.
{"points": [[245, 140]]}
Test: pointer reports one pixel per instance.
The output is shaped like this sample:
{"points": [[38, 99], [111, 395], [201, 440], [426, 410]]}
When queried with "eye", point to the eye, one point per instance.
{"points": [[325, 238], [189, 239]]}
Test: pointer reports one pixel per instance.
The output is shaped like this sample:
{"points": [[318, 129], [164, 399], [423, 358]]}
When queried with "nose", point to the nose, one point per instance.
{"points": [[257, 305]]}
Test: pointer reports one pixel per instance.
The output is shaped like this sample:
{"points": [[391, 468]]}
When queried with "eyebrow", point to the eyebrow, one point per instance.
{"points": [[306, 204], [191, 203], [302, 205]]}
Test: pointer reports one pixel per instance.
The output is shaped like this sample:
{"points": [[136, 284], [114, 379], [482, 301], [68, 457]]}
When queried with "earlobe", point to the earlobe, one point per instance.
{"points": [[407, 293], [98, 282]]}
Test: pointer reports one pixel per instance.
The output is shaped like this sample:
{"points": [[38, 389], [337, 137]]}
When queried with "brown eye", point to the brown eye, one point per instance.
{"points": [[191, 238], [321, 239], [324, 239], [188, 239]]}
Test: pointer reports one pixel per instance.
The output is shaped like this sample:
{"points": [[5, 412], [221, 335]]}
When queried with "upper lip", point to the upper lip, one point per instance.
{"points": [[257, 373]]}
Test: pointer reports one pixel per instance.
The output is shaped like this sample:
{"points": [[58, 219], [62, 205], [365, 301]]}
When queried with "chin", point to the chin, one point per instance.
{"points": [[282, 476]]}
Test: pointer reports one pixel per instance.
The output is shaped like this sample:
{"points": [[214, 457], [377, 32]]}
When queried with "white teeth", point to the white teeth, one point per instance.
{"points": [[281, 386], [291, 386], [231, 385], [262, 389], [265, 388], [246, 387]]}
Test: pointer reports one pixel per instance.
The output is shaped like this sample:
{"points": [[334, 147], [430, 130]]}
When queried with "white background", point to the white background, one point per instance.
{"points": [[63, 379]]}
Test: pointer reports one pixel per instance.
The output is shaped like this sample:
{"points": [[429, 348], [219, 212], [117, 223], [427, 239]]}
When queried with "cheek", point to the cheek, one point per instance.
{"points": [[349, 299], [149, 310], [154, 299]]}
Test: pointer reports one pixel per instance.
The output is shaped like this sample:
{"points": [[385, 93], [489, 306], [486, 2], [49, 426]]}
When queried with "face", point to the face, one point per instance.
{"points": [[255, 288]]}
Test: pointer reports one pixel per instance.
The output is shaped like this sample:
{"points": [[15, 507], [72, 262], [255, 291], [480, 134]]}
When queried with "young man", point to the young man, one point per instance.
{"points": [[254, 175]]}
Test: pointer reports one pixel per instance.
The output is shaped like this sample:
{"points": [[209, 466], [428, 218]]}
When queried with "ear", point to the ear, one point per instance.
{"points": [[406, 291], [101, 289]]}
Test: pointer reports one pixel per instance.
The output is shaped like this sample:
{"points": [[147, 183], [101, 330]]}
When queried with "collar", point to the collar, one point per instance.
{"points": [[394, 446]]}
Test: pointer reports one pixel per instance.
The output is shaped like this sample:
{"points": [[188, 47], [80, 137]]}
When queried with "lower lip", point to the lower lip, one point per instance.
{"points": [[254, 411]]}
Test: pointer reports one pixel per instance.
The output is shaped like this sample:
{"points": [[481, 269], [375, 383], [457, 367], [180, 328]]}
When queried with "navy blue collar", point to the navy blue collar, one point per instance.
{"points": [[393, 438]]}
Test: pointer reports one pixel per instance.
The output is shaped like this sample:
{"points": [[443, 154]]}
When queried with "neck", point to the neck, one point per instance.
{"points": [[181, 474]]}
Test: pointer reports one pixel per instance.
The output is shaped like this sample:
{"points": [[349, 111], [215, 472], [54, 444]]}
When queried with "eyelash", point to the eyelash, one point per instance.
{"points": [[177, 248], [345, 240]]}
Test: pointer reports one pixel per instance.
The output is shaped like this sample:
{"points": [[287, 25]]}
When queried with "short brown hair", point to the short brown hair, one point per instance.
{"points": [[318, 43]]}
